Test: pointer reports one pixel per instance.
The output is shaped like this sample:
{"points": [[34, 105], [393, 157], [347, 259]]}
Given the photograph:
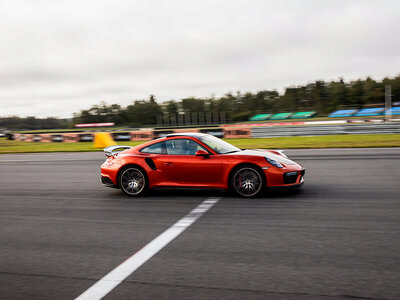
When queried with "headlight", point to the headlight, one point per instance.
{"points": [[274, 162]]}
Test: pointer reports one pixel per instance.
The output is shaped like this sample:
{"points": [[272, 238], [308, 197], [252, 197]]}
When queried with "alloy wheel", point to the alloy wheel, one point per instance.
{"points": [[247, 182], [132, 181]]}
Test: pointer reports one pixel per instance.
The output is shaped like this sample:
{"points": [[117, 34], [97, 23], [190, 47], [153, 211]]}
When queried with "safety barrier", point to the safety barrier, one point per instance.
{"points": [[378, 128], [237, 131]]}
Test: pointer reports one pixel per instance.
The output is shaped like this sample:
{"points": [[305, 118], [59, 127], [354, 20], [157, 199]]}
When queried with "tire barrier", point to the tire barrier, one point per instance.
{"points": [[142, 135], [162, 133], [121, 136], [85, 138], [70, 138], [237, 131], [218, 132]]}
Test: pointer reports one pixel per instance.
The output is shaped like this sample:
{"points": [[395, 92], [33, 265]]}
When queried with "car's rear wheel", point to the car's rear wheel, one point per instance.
{"points": [[132, 181], [247, 181]]}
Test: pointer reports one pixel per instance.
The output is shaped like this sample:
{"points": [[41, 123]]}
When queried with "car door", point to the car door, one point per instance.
{"points": [[182, 167], [156, 158]]}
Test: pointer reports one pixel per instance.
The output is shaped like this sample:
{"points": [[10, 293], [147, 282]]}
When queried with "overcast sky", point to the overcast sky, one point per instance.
{"points": [[58, 57]]}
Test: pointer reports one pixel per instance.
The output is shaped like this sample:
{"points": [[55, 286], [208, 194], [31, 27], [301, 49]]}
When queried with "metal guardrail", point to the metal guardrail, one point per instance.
{"points": [[313, 130]]}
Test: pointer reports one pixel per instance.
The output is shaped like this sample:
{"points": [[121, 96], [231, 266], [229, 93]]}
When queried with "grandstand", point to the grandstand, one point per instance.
{"points": [[393, 111], [303, 115], [376, 111], [260, 117], [281, 116], [343, 113]]}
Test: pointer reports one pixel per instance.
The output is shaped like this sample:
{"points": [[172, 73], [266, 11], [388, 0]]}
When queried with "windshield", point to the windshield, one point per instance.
{"points": [[218, 145]]}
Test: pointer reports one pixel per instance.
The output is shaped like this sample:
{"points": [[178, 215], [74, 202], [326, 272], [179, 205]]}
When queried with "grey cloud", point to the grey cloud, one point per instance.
{"points": [[59, 57]]}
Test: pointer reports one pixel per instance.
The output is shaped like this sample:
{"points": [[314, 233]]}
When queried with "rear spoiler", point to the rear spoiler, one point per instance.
{"points": [[114, 150]]}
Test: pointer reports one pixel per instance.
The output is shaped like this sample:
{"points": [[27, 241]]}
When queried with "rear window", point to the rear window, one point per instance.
{"points": [[154, 149]]}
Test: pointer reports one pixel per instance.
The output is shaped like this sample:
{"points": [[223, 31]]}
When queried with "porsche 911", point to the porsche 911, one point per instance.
{"points": [[197, 160]]}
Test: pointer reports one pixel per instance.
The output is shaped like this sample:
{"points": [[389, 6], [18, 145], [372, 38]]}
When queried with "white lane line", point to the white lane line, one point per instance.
{"points": [[121, 272]]}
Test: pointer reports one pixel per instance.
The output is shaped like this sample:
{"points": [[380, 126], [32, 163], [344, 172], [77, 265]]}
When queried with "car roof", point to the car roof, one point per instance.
{"points": [[192, 134]]}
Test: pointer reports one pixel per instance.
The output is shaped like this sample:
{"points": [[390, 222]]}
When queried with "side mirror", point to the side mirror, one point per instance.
{"points": [[203, 153]]}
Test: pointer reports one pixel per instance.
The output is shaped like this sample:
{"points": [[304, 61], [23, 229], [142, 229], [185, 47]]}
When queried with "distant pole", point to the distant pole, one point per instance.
{"points": [[173, 119], [208, 118], [215, 118], [222, 117], [187, 117], [201, 117], [166, 119], [388, 102], [180, 119], [159, 120], [194, 118]]}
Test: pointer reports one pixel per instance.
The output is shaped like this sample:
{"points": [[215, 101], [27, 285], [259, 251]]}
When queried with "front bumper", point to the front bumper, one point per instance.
{"points": [[277, 177], [293, 177]]}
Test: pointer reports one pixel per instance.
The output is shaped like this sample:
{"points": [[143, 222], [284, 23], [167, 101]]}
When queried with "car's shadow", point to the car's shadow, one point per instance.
{"points": [[268, 194], [282, 192], [185, 193]]}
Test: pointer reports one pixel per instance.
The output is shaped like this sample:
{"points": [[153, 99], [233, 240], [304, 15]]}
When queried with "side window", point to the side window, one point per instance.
{"points": [[154, 149], [182, 147]]}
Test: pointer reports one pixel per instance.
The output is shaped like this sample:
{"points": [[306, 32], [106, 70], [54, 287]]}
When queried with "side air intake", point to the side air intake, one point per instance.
{"points": [[150, 163]]}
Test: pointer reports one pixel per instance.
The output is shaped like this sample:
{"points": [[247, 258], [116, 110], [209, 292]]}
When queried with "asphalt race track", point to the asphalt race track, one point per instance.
{"points": [[338, 238]]}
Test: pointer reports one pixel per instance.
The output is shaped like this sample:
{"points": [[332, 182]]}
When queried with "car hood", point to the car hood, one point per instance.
{"points": [[265, 153]]}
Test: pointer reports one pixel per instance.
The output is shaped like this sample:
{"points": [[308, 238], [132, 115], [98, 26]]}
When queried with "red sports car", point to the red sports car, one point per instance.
{"points": [[199, 161]]}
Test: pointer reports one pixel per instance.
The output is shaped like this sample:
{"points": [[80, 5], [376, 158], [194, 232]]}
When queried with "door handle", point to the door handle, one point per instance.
{"points": [[168, 163]]}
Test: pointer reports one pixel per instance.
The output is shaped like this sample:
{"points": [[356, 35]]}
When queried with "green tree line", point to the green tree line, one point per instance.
{"points": [[33, 123], [320, 96]]}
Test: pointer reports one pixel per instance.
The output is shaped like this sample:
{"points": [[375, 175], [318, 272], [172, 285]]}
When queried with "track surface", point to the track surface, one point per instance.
{"points": [[61, 231]]}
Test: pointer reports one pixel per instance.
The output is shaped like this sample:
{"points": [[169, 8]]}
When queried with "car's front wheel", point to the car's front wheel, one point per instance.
{"points": [[247, 181], [132, 181]]}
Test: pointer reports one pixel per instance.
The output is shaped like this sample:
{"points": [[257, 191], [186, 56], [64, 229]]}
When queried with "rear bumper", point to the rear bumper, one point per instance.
{"points": [[106, 181]]}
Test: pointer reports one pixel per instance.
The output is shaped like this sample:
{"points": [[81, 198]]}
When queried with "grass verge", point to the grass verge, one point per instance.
{"points": [[328, 141]]}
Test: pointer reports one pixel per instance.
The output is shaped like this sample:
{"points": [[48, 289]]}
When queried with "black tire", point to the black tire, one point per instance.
{"points": [[247, 181], [133, 181]]}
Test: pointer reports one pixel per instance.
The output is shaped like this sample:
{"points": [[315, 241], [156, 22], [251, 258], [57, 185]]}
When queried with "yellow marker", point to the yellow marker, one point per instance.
{"points": [[102, 140]]}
